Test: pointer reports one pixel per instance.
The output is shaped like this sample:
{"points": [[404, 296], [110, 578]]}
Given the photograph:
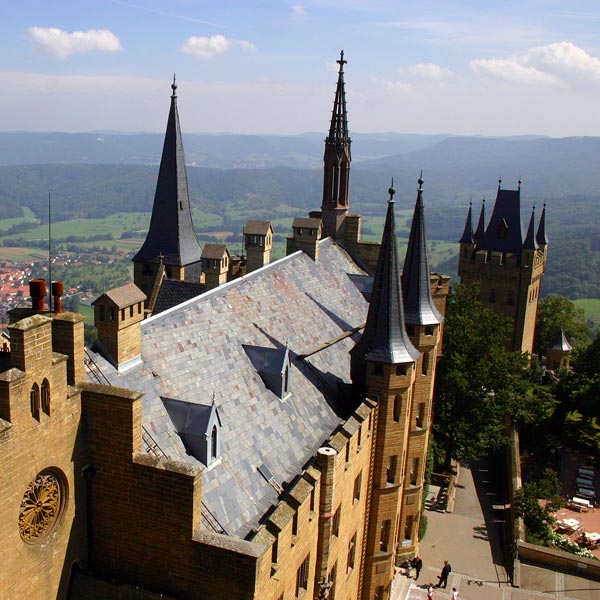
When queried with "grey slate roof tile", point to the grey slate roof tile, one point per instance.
{"points": [[294, 301]]}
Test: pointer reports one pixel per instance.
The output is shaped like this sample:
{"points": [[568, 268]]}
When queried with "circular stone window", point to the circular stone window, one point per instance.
{"points": [[41, 506]]}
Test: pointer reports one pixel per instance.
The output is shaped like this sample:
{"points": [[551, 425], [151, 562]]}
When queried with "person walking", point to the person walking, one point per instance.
{"points": [[443, 576], [430, 591], [417, 564]]}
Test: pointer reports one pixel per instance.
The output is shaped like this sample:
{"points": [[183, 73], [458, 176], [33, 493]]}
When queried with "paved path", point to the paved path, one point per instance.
{"points": [[471, 542]]}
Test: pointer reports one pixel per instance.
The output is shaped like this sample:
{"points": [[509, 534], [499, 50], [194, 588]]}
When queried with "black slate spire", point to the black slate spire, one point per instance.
{"points": [[541, 238], [530, 243], [419, 308], [481, 224], [467, 236], [384, 339], [171, 231]]}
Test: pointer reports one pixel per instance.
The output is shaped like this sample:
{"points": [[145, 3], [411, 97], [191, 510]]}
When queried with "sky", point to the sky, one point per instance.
{"points": [[470, 67]]}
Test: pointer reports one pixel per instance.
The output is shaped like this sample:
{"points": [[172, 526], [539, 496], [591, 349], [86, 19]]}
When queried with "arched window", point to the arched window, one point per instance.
{"points": [[34, 399], [213, 443], [425, 363], [46, 397]]}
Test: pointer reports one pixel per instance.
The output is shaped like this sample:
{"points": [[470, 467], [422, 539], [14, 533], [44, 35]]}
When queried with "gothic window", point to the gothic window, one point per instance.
{"points": [[420, 418], [397, 407], [428, 330], [408, 527], [351, 554], [425, 363], [400, 370], [331, 578], [384, 536], [357, 485], [335, 522], [34, 400], [46, 397], [414, 471], [275, 550], [302, 576], [392, 467]]}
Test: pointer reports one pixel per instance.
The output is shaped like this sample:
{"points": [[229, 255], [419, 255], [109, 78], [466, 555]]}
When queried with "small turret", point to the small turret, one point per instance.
{"points": [[558, 353], [541, 237], [467, 236], [384, 339], [481, 224], [530, 241]]}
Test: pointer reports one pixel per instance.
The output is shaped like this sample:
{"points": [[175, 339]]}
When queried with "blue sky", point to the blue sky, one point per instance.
{"points": [[462, 67]]}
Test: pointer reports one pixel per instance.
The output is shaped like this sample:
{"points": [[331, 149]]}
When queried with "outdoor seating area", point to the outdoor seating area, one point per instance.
{"points": [[579, 520]]}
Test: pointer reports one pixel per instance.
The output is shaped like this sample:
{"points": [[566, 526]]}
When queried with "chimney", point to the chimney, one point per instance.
{"points": [[37, 291], [57, 292]]}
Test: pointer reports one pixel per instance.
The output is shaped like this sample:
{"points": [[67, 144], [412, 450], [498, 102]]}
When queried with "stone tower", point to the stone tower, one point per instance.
{"points": [[507, 262], [171, 237], [383, 367], [336, 159], [258, 241], [423, 324]]}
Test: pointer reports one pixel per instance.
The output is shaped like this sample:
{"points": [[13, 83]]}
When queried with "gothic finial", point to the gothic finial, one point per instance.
{"points": [[519, 183], [500, 182], [341, 62], [391, 192], [420, 181], [174, 85]]}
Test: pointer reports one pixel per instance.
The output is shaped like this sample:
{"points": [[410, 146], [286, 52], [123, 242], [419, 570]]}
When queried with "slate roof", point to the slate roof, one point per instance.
{"points": [[171, 233], [307, 222], [506, 217], [257, 227], [530, 242], [124, 296], [384, 338], [195, 350], [214, 251], [173, 292], [467, 236], [481, 223], [419, 308], [560, 342]]}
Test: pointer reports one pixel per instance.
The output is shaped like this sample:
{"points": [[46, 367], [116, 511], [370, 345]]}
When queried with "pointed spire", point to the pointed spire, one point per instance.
{"points": [[419, 308], [541, 238], [336, 164], [481, 224], [171, 233], [384, 338], [530, 243], [560, 342], [467, 236], [338, 129]]}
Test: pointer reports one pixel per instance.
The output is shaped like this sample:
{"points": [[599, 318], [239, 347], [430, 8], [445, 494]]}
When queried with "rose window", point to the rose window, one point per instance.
{"points": [[41, 506]]}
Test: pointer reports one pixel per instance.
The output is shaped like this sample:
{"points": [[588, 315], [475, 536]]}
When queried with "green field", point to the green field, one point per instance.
{"points": [[591, 308]]}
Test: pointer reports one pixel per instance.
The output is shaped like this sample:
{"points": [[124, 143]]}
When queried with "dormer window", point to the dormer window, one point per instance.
{"points": [[198, 426], [503, 229], [274, 367]]}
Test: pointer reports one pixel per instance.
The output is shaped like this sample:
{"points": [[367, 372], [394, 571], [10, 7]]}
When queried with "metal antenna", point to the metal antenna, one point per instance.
{"points": [[50, 251]]}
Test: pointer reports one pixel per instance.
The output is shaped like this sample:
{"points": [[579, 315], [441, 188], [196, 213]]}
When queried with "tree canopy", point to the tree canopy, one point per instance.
{"points": [[556, 313], [479, 383]]}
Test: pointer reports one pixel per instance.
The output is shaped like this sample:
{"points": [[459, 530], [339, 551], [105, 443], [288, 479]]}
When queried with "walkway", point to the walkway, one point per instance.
{"points": [[471, 542]]}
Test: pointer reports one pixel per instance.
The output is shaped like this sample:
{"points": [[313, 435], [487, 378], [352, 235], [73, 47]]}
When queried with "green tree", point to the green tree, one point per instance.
{"points": [[554, 313], [479, 382]]}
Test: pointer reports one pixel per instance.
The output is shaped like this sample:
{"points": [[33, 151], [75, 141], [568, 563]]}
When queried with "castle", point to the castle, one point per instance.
{"points": [[250, 433]]}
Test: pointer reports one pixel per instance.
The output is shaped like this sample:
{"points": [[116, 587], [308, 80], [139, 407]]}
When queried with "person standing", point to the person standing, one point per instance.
{"points": [[443, 576], [417, 564]]}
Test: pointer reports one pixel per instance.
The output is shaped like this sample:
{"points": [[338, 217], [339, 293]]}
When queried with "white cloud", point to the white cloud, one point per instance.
{"points": [[510, 70], [560, 63], [427, 71], [61, 44], [396, 86], [298, 11], [206, 47]]}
